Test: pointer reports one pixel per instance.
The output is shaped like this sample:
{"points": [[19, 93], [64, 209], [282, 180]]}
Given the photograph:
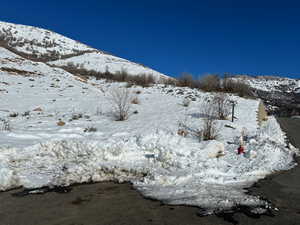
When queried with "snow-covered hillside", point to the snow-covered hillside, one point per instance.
{"points": [[59, 129], [271, 84], [42, 45], [145, 149], [17, 65], [281, 95], [100, 62], [40, 42]]}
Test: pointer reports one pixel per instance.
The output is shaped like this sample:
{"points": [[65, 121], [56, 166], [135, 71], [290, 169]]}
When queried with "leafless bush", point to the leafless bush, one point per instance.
{"points": [[187, 80], [120, 99], [5, 125], [210, 83], [144, 80], [221, 105], [236, 86], [243, 89], [209, 131], [121, 76], [169, 81]]}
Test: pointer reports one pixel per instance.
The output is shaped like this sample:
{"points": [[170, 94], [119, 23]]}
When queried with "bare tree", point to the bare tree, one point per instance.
{"points": [[121, 101], [222, 105]]}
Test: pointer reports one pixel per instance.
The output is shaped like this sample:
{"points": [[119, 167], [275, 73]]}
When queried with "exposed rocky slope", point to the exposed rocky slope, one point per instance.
{"points": [[281, 95]]}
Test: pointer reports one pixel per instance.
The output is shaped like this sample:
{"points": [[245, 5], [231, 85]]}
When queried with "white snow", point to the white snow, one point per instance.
{"points": [[270, 84], [145, 150], [9, 60], [101, 62], [50, 45], [40, 41]]}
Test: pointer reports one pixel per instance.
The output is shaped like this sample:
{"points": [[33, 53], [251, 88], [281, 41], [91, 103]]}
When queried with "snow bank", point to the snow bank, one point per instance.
{"points": [[144, 150], [161, 165]]}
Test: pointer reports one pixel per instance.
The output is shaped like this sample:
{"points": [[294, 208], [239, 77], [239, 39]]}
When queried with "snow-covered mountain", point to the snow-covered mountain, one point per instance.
{"points": [[40, 45], [57, 129], [281, 95]]}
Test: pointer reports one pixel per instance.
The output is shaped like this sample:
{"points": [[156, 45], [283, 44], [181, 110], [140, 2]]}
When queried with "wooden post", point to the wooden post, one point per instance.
{"points": [[232, 111]]}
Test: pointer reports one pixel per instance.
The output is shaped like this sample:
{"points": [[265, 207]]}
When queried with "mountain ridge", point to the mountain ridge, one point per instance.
{"points": [[41, 45]]}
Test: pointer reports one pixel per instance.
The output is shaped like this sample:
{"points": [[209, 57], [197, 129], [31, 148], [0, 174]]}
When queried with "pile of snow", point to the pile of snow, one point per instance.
{"points": [[145, 150], [161, 165]]}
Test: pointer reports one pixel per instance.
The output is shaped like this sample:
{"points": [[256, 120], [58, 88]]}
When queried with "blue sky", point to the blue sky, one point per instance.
{"points": [[240, 37]]}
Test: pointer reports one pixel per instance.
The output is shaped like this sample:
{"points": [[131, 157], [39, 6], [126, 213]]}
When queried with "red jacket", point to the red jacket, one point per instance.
{"points": [[241, 150]]}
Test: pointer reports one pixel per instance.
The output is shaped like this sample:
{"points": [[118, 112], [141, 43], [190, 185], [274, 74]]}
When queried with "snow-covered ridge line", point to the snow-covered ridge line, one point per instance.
{"points": [[42, 45], [269, 84], [101, 63], [38, 41]]}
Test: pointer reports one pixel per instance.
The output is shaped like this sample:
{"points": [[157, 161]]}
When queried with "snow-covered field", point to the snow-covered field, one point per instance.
{"points": [[145, 149]]}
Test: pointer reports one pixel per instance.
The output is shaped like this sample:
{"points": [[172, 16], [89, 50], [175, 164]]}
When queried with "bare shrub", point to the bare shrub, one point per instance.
{"points": [[121, 76], [169, 81], [238, 87], [144, 80], [210, 82], [243, 89], [221, 104], [228, 84], [120, 99], [5, 125], [209, 131], [187, 80]]}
